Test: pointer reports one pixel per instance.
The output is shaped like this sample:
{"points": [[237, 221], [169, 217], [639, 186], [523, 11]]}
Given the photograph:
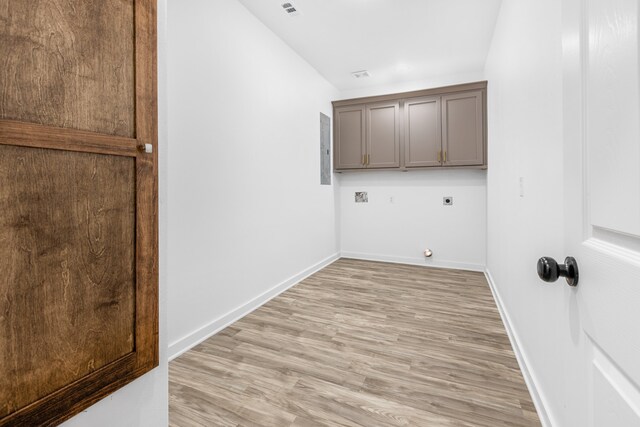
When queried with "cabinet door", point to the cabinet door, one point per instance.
{"points": [[422, 132], [383, 135], [349, 137], [463, 129], [78, 204]]}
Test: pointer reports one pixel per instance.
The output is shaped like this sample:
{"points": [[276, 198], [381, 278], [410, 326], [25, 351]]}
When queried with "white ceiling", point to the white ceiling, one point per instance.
{"points": [[395, 40]]}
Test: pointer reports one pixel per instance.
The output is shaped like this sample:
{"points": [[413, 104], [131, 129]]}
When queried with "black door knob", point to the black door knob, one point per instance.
{"points": [[549, 270]]}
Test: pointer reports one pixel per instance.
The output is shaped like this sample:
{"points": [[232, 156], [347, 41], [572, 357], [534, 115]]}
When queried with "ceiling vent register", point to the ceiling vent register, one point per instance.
{"points": [[360, 74], [290, 9]]}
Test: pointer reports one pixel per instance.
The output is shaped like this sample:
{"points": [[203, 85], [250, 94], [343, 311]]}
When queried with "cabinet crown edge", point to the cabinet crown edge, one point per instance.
{"points": [[463, 87]]}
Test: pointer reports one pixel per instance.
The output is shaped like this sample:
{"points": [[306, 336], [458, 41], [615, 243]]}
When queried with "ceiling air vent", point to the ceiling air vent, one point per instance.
{"points": [[360, 74], [290, 9]]}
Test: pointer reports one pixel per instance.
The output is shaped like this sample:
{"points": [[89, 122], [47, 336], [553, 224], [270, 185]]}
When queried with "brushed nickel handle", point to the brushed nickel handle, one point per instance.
{"points": [[146, 148], [439, 156], [445, 156]]}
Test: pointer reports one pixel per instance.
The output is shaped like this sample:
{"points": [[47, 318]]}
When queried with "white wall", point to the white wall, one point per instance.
{"points": [[402, 230], [405, 215], [143, 403], [248, 216], [524, 70]]}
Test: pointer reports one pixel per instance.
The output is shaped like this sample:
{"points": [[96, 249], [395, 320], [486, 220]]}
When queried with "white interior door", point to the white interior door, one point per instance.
{"points": [[602, 210]]}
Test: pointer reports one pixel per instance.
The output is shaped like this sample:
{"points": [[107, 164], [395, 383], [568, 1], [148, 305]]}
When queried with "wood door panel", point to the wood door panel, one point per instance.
{"points": [[383, 135], [463, 129], [79, 70], [78, 204], [349, 137], [67, 254], [423, 132]]}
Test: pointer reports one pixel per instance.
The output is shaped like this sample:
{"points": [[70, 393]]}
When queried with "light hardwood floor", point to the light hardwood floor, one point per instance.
{"points": [[359, 344]]}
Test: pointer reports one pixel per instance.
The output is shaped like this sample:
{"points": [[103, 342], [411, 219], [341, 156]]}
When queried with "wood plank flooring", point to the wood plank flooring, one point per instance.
{"points": [[359, 344]]}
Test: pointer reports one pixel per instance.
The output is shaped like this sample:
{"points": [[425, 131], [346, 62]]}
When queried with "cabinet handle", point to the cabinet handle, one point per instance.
{"points": [[445, 156], [368, 159], [439, 156], [364, 159]]}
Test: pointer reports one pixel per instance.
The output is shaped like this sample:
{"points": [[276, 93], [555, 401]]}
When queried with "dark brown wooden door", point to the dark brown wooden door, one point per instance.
{"points": [[78, 203]]}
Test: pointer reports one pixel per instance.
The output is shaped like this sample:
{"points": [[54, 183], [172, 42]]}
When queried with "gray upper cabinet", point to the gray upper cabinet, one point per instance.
{"points": [[463, 129], [422, 132], [440, 127], [383, 136], [349, 137]]}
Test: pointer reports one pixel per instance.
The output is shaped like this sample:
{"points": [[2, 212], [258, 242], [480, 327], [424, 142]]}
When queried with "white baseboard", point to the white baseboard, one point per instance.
{"points": [[538, 397], [425, 262], [196, 337]]}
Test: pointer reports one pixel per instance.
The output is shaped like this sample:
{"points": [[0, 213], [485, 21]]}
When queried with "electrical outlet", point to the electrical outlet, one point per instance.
{"points": [[447, 201]]}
